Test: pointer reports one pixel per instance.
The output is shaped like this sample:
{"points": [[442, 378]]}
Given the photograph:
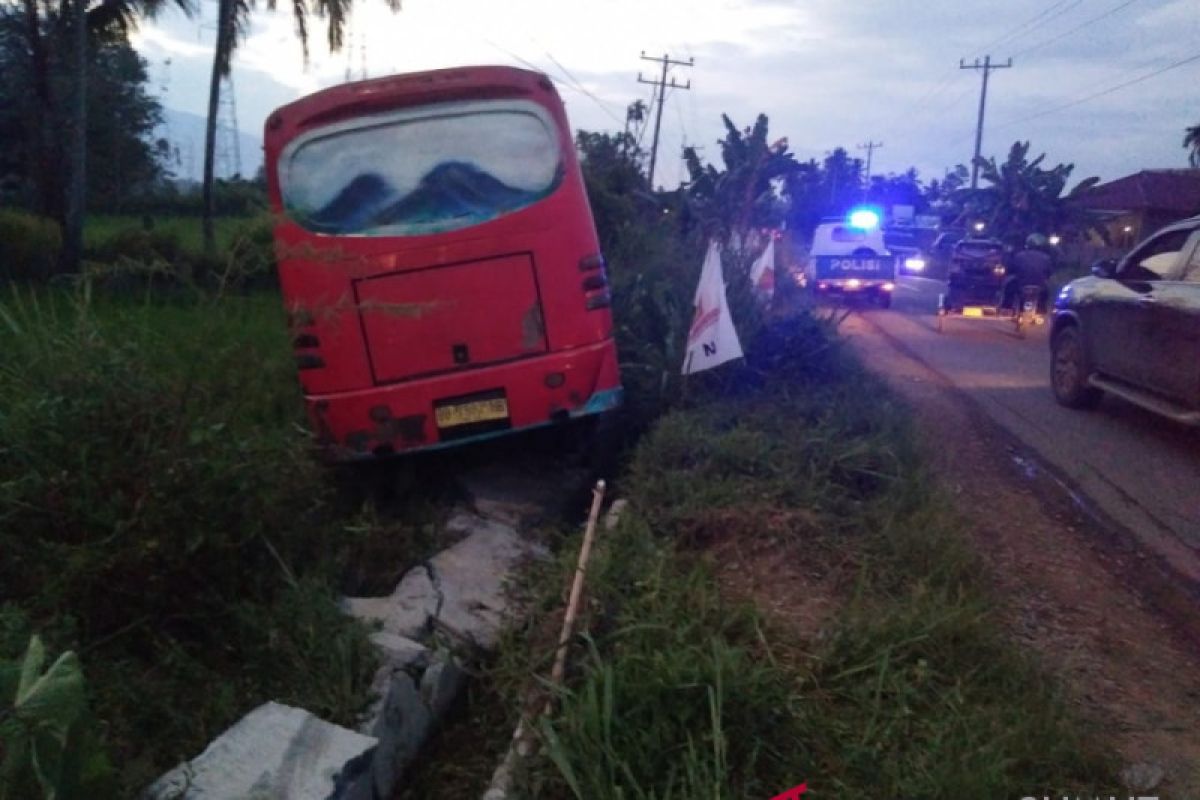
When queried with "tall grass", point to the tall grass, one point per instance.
{"points": [[101, 230], [161, 513], [911, 690]]}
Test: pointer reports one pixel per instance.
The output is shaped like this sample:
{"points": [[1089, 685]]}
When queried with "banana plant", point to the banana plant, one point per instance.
{"points": [[46, 748]]}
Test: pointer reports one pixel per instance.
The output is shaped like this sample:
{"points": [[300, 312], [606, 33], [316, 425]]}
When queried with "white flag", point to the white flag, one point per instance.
{"points": [[712, 339], [762, 273]]}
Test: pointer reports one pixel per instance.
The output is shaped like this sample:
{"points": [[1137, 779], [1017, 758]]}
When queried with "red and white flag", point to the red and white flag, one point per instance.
{"points": [[712, 339], [762, 273]]}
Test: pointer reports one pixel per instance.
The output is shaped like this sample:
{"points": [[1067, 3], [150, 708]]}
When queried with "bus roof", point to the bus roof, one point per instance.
{"points": [[412, 88]]}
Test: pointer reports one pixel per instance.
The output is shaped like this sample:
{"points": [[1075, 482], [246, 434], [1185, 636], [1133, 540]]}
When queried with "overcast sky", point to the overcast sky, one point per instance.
{"points": [[826, 72]]}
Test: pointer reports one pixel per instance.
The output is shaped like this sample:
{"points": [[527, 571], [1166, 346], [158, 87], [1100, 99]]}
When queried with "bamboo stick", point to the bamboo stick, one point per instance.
{"points": [[522, 739]]}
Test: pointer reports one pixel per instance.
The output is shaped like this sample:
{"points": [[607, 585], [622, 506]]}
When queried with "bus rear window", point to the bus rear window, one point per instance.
{"points": [[420, 171]]}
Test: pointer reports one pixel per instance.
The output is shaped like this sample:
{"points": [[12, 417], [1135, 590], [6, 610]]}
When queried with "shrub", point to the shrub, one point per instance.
{"points": [[29, 246], [249, 260], [136, 257]]}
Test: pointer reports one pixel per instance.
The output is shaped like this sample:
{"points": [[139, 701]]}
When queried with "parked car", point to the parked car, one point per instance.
{"points": [[911, 246], [1132, 328]]}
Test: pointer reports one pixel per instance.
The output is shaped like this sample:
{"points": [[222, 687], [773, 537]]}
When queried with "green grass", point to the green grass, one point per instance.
{"points": [[913, 690], [100, 230], [163, 514]]}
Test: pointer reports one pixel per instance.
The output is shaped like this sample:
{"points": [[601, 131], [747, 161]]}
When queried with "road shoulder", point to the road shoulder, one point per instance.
{"points": [[1127, 657]]}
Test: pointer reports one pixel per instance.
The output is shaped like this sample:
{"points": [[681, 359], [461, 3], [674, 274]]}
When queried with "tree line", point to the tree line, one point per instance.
{"points": [[759, 183], [79, 127], [75, 118]]}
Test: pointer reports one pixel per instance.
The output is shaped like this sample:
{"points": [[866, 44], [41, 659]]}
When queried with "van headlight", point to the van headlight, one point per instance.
{"points": [[914, 264]]}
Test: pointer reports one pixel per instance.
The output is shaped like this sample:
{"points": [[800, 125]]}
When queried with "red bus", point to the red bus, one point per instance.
{"points": [[438, 260]]}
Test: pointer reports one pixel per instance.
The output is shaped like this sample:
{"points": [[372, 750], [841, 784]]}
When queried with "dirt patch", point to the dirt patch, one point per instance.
{"points": [[799, 595], [1087, 604]]}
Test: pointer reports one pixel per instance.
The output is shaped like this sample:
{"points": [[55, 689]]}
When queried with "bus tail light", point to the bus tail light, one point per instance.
{"points": [[298, 319], [596, 282], [589, 263]]}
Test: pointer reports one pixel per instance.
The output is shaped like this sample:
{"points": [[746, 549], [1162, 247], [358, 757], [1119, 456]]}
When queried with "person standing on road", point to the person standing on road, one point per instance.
{"points": [[1032, 266]]}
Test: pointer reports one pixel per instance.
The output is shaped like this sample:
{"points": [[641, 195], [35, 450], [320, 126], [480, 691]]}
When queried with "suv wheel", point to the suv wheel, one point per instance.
{"points": [[1069, 371]]}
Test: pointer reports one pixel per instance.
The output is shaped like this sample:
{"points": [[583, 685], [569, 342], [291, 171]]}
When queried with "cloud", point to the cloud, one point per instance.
{"points": [[826, 72]]}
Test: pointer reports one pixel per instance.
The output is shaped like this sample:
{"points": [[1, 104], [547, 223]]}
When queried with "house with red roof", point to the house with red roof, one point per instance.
{"points": [[1137, 205]]}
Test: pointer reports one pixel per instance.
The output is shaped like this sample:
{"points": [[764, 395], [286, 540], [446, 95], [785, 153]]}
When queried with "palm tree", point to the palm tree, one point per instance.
{"points": [[1191, 140], [66, 26], [232, 18]]}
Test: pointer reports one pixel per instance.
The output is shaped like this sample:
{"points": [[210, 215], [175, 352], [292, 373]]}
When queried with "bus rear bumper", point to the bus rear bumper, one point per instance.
{"points": [[401, 417]]}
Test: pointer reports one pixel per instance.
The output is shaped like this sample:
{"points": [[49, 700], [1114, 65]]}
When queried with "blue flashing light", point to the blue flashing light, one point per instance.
{"points": [[864, 219]]}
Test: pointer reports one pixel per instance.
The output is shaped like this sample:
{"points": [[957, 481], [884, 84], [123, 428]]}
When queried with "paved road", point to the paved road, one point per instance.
{"points": [[1141, 471]]}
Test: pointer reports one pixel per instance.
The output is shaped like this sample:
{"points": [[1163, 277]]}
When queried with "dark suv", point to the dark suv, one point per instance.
{"points": [[1133, 328], [977, 273]]}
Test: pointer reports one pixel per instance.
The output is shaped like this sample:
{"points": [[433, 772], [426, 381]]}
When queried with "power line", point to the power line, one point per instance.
{"points": [[1076, 29], [562, 83], [578, 85], [515, 57], [987, 67], [684, 136], [870, 147], [965, 135], [1041, 18], [1115, 88], [954, 75], [953, 101], [662, 84], [646, 122]]}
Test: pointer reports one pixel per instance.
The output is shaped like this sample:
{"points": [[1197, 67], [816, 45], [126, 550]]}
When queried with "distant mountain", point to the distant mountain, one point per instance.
{"points": [[185, 132]]}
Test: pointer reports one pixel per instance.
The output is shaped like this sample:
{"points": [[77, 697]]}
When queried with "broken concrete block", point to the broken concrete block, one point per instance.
{"points": [[471, 578], [275, 752], [406, 611], [400, 652], [410, 705], [440, 685], [399, 655], [401, 727]]}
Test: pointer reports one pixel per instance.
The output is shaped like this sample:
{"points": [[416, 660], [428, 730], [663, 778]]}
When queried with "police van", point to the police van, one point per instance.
{"points": [[849, 258]]}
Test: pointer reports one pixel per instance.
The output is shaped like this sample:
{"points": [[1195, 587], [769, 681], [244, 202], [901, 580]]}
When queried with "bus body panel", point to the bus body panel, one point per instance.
{"points": [[392, 332], [451, 311]]}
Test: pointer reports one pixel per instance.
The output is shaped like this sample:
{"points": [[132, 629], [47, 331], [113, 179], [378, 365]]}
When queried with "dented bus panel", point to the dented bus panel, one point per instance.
{"points": [[438, 260]]}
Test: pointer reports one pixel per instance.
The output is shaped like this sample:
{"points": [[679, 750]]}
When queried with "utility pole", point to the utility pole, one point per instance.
{"points": [[870, 147], [662, 87], [987, 66]]}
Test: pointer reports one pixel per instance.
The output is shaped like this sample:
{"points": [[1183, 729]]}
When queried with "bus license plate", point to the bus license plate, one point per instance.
{"points": [[973, 311], [476, 411]]}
